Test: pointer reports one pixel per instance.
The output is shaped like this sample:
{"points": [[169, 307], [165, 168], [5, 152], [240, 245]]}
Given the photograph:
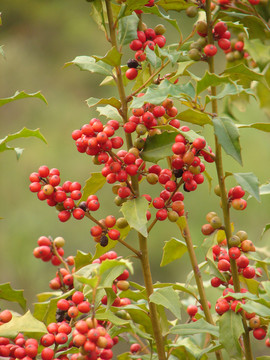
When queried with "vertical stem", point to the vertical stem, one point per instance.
{"points": [[198, 278], [149, 289], [143, 256], [221, 181], [119, 79]]}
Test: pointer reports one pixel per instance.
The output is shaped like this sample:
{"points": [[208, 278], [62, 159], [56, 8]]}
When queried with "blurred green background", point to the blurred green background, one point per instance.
{"points": [[39, 37]]}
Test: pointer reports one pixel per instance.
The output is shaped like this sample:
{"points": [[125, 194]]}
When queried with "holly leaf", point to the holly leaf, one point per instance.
{"points": [[176, 5], [194, 116], [241, 71], [258, 51], [111, 101], [256, 27], [110, 112], [228, 136], [230, 330], [259, 126], [198, 327], [26, 324], [156, 11], [9, 294], [211, 80], [112, 57], [264, 189], [156, 94], [168, 298], [134, 212], [249, 182], [158, 147], [152, 58], [92, 185], [22, 95], [173, 249], [82, 259], [23, 133], [88, 63], [127, 29]]}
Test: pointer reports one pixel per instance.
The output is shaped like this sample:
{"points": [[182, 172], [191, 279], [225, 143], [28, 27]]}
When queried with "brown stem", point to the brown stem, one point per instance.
{"points": [[198, 278], [221, 181], [87, 214], [138, 253], [149, 289], [55, 252]]}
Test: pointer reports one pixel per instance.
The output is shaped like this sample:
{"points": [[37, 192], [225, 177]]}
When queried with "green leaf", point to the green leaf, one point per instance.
{"points": [[152, 57], [139, 314], [228, 136], [259, 126], [158, 147], [156, 94], [97, 14], [173, 249], [9, 294], [168, 298], [265, 189], [131, 5], [88, 63], [92, 185], [256, 27], [82, 259], [156, 11], [142, 77], [177, 286], [259, 52], [177, 5], [211, 80], [107, 315], [252, 284], [134, 212], [197, 327], [252, 306], [263, 92], [194, 116], [23, 133], [110, 112], [266, 228], [45, 311], [26, 324], [241, 71], [230, 329], [111, 101], [249, 182], [22, 95], [112, 57], [214, 269], [172, 54], [231, 90], [127, 29]]}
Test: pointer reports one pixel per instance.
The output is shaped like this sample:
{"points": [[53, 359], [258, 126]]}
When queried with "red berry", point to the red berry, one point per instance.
{"points": [[114, 234], [192, 310], [224, 44], [63, 304], [259, 333], [43, 171], [161, 214], [134, 348], [47, 354], [131, 73], [210, 50], [220, 28]]}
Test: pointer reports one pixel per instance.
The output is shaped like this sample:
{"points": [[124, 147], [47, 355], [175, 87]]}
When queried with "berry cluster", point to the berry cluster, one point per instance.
{"points": [[148, 116], [149, 37], [224, 3], [235, 195], [19, 348], [46, 182]]}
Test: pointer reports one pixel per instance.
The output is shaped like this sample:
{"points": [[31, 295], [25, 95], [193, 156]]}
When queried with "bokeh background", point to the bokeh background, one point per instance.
{"points": [[39, 37]]}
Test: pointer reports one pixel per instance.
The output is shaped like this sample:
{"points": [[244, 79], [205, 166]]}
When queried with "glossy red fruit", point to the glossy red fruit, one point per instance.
{"points": [[131, 73], [47, 354], [134, 348], [210, 50], [234, 252], [192, 310], [259, 333], [224, 44]]}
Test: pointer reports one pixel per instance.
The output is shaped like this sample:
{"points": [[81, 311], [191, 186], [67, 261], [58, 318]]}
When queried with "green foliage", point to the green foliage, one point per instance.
{"points": [[92, 185], [26, 324], [228, 136], [173, 249], [9, 294], [23, 133], [134, 212], [230, 329]]}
